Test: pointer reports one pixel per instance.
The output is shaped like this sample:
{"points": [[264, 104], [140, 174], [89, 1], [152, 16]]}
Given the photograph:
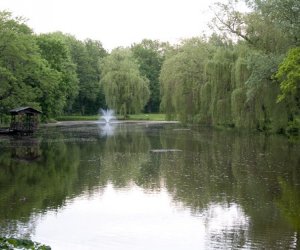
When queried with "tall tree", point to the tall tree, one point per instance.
{"points": [[181, 76], [87, 56], [285, 14], [56, 52], [150, 56], [25, 76], [258, 28], [126, 90]]}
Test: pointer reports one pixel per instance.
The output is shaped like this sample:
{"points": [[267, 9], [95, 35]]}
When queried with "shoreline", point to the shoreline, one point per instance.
{"points": [[74, 123]]}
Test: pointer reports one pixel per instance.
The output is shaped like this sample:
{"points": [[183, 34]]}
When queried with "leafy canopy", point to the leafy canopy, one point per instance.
{"points": [[289, 75], [125, 89]]}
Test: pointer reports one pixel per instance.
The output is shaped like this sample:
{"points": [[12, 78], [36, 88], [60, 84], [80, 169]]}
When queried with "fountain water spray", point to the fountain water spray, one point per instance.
{"points": [[107, 115]]}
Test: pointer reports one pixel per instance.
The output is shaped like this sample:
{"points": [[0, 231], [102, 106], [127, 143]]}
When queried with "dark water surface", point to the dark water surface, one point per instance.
{"points": [[150, 186]]}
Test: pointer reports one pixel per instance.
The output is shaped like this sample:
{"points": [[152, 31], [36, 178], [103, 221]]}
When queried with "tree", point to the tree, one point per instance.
{"points": [[258, 28], [230, 21], [181, 77], [125, 89], [288, 75], [87, 56], [55, 51], [150, 56], [25, 76], [284, 14]]}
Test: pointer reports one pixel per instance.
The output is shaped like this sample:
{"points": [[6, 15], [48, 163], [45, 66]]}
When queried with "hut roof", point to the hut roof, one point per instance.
{"points": [[24, 110]]}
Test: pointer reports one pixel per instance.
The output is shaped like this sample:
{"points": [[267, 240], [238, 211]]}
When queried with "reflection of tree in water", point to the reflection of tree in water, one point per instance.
{"points": [[213, 170], [222, 168], [27, 149], [289, 205], [35, 185], [124, 154]]}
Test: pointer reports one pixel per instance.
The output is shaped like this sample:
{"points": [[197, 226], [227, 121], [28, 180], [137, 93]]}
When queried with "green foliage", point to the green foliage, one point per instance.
{"points": [[13, 243], [126, 90], [285, 14], [238, 102], [288, 75], [52, 72], [181, 78], [219, 70], [293, 127], [87, 56], [235, 86], [213, 81], [150, 56], [261, 67], [55, 51], [25, 76]]}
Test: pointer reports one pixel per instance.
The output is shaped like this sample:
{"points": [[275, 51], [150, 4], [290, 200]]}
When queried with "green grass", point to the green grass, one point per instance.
{"points": [[145, 117], [77, 118], [140, 117]]}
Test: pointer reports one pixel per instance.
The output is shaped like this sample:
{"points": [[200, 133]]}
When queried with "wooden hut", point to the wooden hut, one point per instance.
{"points": [[24, 120]]}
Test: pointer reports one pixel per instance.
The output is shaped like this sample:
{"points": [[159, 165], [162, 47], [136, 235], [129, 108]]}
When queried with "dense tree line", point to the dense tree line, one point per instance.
{"points": [[245, 75], [54, 72], [59, 74]]}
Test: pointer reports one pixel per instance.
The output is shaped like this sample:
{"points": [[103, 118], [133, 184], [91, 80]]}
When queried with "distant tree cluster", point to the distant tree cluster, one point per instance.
{"points": [[59, 74], [245, 75]]}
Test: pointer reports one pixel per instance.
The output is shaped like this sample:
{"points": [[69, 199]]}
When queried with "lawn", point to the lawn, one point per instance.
{"points": [[143, 117]]}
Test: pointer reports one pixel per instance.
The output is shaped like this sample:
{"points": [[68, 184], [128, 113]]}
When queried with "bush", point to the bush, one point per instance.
{"points": [[13, 243]]}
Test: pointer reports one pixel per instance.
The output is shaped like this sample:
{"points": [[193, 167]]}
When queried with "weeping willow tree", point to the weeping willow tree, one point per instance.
{"points": [[125, 89], [181, 78], [219, 76], [223, 83]]}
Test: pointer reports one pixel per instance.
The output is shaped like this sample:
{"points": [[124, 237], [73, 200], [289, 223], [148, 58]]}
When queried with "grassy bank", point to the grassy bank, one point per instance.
{"points": [[141, 117]]}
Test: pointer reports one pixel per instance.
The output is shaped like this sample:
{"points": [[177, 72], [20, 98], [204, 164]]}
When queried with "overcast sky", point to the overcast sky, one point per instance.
{"points": [[115, 22]]}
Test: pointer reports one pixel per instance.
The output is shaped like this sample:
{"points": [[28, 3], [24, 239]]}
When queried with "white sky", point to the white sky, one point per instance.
{"points": [[115, 22]]}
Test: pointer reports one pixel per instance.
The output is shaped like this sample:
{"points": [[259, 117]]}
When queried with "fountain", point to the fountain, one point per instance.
{"points": [[107, 115], [105, 125]]}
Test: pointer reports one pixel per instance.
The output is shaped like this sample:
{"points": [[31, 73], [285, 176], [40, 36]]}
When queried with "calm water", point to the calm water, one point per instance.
{"points": [[150, 186]]}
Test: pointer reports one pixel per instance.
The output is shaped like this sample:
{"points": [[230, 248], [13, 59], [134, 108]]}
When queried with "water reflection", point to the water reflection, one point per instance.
{"points": [[225, 189], [226, 226], [27, 149], [106, 129]]}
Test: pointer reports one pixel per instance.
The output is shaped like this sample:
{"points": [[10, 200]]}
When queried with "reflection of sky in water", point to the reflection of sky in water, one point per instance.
{"points": [[224, 226], [132, 219]]}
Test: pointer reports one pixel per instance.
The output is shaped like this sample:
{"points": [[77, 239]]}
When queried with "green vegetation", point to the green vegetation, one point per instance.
{"points": [[12, 243], [126, 90], [245, 75], [150, 56], [140, 117], [289, 76], [146, 117], [77, 118], [218, 82]]}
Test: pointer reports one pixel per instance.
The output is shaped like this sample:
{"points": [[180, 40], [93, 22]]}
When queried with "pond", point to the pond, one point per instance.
{"points": [[150, 186]]}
